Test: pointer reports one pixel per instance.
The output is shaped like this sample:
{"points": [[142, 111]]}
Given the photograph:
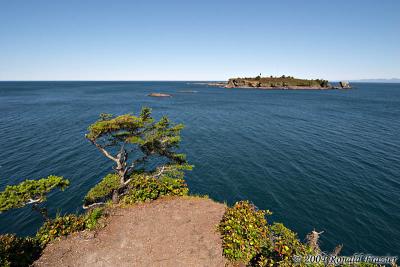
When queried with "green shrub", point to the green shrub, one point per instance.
{"points": [[60, 226], [146, 188], [104, 189], [244, 231], [286, 242], [173, 187], [92, 218], [17, 251], [282, 246], [248, 239]]}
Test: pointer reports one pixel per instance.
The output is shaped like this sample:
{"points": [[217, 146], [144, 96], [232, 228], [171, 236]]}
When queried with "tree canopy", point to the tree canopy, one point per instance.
{"points": [[131, 141], [29, 191]]}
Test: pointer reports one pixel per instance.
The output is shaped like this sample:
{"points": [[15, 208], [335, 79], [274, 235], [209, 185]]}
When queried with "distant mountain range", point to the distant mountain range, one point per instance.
{"points": [[392, 80]]}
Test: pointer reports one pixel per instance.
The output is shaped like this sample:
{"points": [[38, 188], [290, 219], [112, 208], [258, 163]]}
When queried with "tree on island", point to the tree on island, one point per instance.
{"points": [[136, 144]]}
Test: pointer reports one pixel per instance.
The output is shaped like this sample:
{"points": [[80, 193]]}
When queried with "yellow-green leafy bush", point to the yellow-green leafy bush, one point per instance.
{"points": [[248, 239], [67, 224], [145, 188], [282, 245], [17, 251], [60, 226], [244, 231]]}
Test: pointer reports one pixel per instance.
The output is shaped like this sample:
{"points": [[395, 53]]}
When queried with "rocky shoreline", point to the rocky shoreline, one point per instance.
{"points": [[225, 85], [279, 83], [285, 87]]}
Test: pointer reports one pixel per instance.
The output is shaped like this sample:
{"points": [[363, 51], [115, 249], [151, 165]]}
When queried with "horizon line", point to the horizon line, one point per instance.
{"points": [[88, 80]]}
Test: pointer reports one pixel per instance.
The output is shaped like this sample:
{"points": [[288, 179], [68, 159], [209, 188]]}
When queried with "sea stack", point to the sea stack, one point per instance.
{"points": [[344, 85]]}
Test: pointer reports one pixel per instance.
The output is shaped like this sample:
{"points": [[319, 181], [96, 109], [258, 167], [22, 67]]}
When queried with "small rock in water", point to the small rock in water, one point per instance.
{"points": [[159, 95]]}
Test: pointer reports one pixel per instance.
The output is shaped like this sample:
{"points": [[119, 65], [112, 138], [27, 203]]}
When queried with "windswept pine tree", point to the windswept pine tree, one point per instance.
{"points": [[136, 145]]}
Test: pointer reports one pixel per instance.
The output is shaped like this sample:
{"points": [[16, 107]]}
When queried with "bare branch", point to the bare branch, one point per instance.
{"points": [[162, 170], [337, 250], [92, 205], [42, 211], [312, 240], [134, 163], [127, 181], [102, 150], [31, 201]]}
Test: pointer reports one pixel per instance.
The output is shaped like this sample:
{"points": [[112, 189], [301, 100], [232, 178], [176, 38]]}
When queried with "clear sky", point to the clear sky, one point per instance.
{"points": [[198, 40]]}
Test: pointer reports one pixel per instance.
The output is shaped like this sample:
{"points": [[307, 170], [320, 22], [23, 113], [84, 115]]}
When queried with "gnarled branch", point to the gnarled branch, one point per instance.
{"points": [[102, 150], [92, 205]]}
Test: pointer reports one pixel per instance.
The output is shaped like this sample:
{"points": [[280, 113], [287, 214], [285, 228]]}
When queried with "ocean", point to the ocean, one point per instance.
{"points": [[327, 160]]}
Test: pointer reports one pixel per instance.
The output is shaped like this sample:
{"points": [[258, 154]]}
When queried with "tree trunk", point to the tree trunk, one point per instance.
{"points": [[121, 173], [115, 197], [42, 211], [121, 164]]}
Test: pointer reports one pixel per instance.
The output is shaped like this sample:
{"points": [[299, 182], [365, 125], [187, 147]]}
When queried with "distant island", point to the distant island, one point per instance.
{"points": [[283, 82]]}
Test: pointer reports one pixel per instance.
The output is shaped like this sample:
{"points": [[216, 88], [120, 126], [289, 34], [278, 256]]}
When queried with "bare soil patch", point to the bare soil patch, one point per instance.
{"points": [[177, 231]]}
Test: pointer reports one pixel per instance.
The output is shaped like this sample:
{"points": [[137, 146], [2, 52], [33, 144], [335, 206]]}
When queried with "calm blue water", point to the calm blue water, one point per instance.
{"points": [[327, 160]]}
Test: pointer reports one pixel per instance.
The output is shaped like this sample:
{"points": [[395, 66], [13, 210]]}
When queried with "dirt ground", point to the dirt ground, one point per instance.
{"points": [[168, 232]]}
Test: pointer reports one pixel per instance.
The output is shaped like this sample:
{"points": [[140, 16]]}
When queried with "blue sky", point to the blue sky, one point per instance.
{"points": [[198, 40]]}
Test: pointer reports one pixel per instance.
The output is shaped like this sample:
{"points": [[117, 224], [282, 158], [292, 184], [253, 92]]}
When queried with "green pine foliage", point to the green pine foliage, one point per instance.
{"points": [[17, 196], [103, 189], [127, 124]]}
